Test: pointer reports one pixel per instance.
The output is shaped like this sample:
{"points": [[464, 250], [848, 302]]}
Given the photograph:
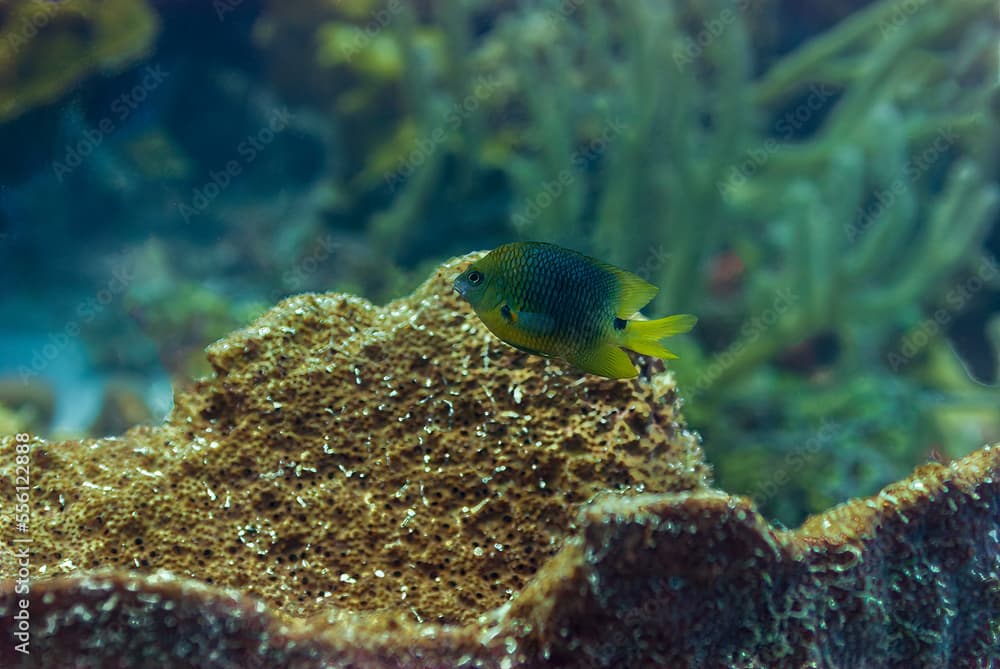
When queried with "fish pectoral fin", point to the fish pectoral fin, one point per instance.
{"points": [[607, 360], [536, 326], [529, 322]]}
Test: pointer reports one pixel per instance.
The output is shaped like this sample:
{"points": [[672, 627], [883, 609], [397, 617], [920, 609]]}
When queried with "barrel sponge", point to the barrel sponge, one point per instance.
{"points": [[370, 458]]}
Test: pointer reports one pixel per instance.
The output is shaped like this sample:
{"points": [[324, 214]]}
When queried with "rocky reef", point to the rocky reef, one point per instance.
{"points": [[392, 487]]}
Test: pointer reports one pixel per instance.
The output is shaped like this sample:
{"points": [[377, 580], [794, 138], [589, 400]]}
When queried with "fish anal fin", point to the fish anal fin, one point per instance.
{"points": [[607, 360]]}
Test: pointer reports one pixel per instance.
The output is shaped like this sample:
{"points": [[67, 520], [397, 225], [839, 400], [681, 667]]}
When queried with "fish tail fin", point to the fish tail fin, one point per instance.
{"points": [[644, 336]]}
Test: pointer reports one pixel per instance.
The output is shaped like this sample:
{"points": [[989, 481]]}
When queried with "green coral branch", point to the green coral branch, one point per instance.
{"points": [[855, 34], [652, 185], [959, 219]]}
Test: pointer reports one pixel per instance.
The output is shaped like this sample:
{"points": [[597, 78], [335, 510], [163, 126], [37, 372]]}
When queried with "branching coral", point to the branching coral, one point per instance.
{"points": [[889, 194]]}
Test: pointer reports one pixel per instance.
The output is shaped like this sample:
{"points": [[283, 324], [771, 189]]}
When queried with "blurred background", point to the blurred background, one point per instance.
{"points": [[817, 181]]}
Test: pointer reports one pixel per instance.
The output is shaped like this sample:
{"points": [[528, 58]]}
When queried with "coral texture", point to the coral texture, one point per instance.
{"points": [[390, 487], [909, 578]]}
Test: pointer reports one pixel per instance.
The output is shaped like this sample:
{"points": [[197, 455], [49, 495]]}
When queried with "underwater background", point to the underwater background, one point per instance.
{"points": [[816, 181]]}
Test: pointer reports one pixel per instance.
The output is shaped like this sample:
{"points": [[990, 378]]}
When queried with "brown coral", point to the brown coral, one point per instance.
{"points": [[323, 411]]}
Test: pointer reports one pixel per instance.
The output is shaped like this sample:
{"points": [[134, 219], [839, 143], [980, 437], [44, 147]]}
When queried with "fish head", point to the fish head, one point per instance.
{"points": [[478, 285]]}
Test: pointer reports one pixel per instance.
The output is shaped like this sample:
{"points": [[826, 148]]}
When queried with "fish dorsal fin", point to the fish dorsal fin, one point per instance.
{"points": [[634, 292]]}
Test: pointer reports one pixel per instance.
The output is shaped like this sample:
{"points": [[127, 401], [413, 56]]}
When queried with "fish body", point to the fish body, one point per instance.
{"points": [[555, 302]]}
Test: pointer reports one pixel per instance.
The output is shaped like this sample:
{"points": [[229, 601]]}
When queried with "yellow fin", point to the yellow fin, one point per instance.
{"points": [[643, 336], [634, 291], [607, 360]]}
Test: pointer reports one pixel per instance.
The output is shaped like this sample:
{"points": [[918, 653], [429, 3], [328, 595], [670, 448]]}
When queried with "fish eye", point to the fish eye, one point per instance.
{"points": [[475, 277]]}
